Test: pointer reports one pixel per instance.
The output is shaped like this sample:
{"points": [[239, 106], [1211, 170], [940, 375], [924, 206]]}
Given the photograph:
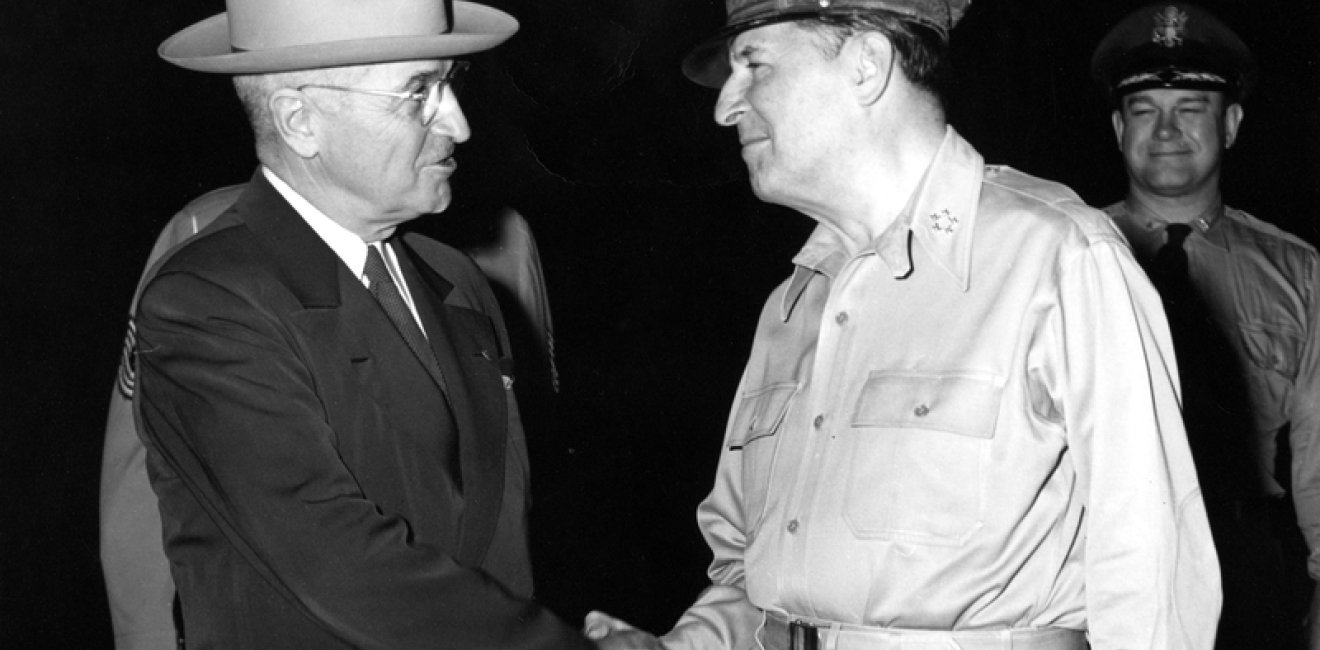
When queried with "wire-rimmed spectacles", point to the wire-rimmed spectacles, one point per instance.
{"points": [[427, 98]]}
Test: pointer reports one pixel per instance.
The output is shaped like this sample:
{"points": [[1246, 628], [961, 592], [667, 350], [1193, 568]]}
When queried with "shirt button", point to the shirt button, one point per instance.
{"points": [[820, 419], [793, 526], [841, 317], [921, 411]]}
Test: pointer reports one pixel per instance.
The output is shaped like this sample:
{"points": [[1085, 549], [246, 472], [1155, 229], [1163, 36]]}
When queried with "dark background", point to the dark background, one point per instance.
{"points": [[657, 254]]}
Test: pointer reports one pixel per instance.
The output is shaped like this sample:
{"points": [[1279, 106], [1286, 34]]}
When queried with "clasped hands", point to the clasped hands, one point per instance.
{"points": [[610, 633]]}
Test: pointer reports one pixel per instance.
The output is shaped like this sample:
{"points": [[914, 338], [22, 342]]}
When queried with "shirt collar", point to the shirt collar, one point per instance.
{"points": [[938, 216], [349, 247], [1205, 223]]}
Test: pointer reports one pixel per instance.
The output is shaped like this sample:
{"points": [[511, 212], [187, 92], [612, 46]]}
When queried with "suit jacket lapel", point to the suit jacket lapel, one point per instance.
{"points": [[324, 286], [307, 265], [477, 397]]}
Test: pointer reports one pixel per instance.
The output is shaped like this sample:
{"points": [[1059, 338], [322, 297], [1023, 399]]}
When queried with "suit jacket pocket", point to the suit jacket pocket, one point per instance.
{"points": [[759, 417], [919, 445]]}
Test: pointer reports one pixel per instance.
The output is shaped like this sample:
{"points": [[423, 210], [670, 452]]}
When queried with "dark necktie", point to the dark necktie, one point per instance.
{"points": [[1168, 271], [389, 297], [1215, 407]]}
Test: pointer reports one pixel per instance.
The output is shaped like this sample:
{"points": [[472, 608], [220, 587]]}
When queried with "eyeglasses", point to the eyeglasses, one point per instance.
{"points": [[428, 98]]}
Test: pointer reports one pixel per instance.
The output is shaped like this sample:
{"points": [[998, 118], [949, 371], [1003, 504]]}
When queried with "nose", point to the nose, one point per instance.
{"points": [[449, 120], [732, 103], [1167, 127]]}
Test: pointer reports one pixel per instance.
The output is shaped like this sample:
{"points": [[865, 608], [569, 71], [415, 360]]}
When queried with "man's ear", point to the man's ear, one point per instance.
{"points": [[295, 121], [1232, 118], [874, 56], [1117, 118]]}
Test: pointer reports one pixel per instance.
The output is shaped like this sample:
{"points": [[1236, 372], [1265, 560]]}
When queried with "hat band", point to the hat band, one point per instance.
{"points": [[1172, 78]]}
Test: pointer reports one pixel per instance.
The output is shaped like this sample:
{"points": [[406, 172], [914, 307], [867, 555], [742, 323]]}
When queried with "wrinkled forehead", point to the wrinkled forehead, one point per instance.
{"points": [[775, 38]]}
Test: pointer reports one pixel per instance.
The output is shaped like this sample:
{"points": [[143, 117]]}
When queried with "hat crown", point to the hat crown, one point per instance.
{"points": [[1172, 45], [706, 64], [940, 14], [263, 36], [269, 24]]}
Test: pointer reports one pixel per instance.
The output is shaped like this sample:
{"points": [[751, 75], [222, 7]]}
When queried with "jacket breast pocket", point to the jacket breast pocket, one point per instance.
{"points": [[754, 435], [919, 448]]}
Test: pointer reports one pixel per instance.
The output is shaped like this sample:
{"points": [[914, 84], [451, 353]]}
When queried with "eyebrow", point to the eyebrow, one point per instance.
{"points": [[745, 51], [422, 79]]}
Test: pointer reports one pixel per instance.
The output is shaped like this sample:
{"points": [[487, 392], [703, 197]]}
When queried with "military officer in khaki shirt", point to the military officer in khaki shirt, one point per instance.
{"points": [[958, 426], [1242, 301]]}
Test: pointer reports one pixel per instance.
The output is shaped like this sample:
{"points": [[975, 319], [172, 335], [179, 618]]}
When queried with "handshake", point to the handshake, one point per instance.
{"points": [[610, 633]]}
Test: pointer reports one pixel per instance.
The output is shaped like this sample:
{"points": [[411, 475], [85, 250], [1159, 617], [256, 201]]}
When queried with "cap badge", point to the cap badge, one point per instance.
{"points": [[1170, 27], [943, 221]]}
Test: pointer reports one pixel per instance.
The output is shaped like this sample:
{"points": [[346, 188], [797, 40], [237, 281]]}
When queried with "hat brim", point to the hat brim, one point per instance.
{"points": [[205, 46], [708, 62]]}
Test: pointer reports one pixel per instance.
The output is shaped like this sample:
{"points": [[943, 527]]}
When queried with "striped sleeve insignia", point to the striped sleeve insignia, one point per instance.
{"points": [[128, 362]]}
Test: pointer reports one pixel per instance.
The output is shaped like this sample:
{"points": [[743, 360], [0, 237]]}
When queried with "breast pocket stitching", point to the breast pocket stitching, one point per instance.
{"points": [[920, 443], [759, 417]]}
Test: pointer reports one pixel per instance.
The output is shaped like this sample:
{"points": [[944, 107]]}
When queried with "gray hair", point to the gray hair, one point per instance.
{"points": [[254, 92], [922, 51]]}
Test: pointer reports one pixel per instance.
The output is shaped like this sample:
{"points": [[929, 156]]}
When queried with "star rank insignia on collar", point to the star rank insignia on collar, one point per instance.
{"points": [[1170, 26], [943, 221]]}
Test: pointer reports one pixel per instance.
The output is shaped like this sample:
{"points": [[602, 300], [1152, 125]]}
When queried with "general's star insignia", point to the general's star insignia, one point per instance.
{"points": [[943, 221]]}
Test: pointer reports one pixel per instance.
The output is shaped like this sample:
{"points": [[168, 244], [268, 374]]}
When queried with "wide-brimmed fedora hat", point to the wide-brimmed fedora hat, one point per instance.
{"points": [[259, 36], [708, 64]]}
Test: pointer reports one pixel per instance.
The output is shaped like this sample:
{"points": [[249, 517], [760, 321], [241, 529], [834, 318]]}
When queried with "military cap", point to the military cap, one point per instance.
{"points": [[708, 64], [1173, 45]]}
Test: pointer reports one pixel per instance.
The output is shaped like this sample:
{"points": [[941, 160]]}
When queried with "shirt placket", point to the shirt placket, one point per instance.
{"points": [[823, 416]]}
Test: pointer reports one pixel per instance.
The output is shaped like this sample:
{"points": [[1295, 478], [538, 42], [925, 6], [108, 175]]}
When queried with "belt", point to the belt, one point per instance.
{"points": [[780, 633]]}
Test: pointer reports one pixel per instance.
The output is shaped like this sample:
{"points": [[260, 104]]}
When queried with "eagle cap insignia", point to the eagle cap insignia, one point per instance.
{"points": [[1170, 26]]}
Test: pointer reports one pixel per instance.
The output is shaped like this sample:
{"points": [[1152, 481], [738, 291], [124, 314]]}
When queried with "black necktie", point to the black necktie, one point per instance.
{"points": [[1215, 407], [1168, 271], [387, 294]]}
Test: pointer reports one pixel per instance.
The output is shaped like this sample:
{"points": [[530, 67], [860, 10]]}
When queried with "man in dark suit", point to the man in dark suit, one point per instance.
{"points": [[326, 403]]}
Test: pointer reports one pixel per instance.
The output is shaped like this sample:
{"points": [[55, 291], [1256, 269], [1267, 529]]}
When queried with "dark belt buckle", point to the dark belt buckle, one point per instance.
{"points": [[802, 636]]}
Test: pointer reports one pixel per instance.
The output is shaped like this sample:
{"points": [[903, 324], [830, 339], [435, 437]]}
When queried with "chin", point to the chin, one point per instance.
{"points": [[438, 200], [1170, 185], [768, 190]]}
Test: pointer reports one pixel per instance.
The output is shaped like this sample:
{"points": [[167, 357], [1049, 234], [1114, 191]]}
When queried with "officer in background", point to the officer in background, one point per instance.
{"points": [[1242, 304]]}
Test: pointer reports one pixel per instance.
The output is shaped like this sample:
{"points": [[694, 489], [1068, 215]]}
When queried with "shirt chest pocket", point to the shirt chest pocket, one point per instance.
{"points": [[1272, 349], [919, 448], [754, 435]]}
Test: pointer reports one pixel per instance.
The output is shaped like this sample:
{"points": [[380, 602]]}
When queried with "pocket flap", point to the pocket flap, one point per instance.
{"points": [[760, 413], [1274, 349], [956, 403]]}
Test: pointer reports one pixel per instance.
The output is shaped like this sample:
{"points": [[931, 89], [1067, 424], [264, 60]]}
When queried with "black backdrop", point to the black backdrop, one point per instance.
{"points": [[658, 256]]}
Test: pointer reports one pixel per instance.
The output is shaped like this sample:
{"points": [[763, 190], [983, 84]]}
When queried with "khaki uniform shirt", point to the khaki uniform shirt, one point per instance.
{"points": [[1261, 284], [970, 424]]}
